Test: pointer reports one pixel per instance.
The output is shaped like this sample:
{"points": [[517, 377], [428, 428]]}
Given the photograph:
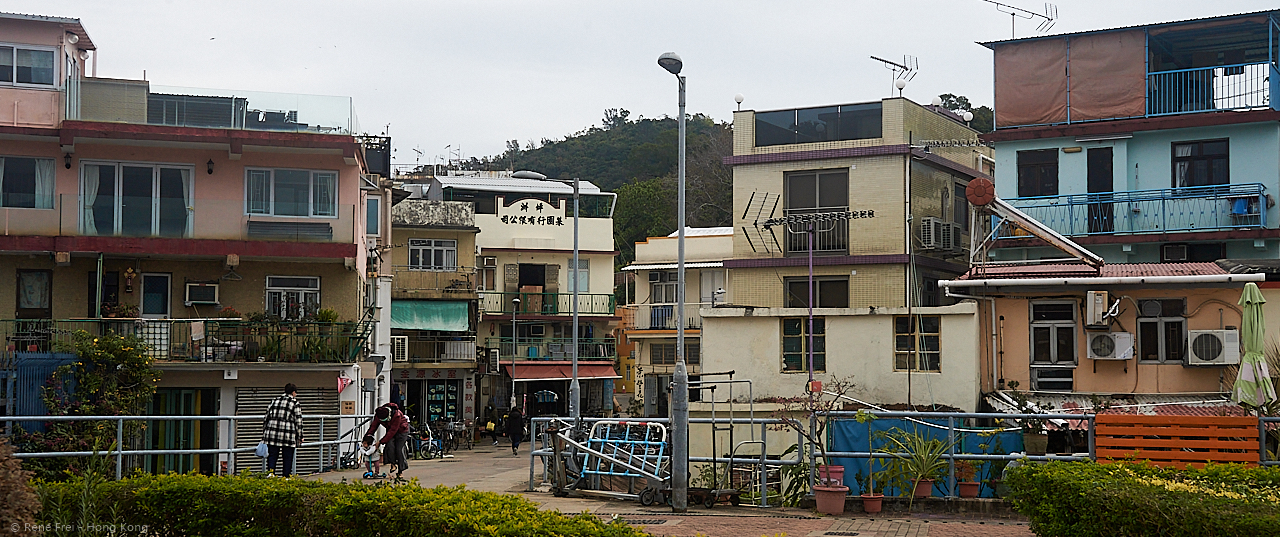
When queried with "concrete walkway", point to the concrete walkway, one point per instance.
{"points": [[495, 469]]}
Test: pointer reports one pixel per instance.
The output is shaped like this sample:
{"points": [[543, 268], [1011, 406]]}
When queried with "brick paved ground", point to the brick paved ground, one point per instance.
{"points": [[753, 526]]}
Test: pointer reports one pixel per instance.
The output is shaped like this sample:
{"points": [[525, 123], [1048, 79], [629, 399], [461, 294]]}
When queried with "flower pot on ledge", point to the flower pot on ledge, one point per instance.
{"points": [[872, 503], [968, 489], [924, 488], [830, 499], [1035, 443]]}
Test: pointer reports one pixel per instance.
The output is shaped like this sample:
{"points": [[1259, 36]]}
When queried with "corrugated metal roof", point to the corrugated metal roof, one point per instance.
{"points": [[74, 26], [1208, 405], [702, 232], [1118, 270], [989, 44], [672, 266], [511, 184]]}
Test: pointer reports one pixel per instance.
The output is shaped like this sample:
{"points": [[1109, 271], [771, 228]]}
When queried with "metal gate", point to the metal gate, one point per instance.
{"points": [[315, 401]]}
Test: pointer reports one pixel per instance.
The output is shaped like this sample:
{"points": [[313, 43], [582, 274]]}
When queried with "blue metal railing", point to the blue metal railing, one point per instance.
{"points": [[1228, 87], [1203, 208]]}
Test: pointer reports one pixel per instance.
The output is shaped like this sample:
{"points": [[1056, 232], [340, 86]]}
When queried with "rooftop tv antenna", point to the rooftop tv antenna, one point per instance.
{"points": [[757, 204], [904, 71], [1048, 19]]}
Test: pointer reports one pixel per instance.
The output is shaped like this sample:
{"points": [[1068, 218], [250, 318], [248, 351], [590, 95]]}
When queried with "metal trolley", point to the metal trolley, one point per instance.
{"points": [[629, 449]]}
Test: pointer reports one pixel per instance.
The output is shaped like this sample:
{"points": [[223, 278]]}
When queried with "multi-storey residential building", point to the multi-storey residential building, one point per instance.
{"points": [[526, 279], [651, 323], [895, 171], [434, 307], [167, 206], [1143, 143]]}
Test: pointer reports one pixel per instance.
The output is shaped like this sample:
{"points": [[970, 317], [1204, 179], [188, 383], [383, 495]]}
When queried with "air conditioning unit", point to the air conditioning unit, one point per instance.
{"points": [[400, 348], [492, 367], [945, 234], [537, 330], [655, 276], [1173, 253], [1096, 308], [1110, 345], [929, 233], [957, 237], [490, 262], [1213, 347], [201, 293]]}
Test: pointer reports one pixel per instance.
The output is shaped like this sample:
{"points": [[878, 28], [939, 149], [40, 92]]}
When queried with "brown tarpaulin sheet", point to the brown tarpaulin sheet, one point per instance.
{"points": [[1108, 75], [1031, 82]]}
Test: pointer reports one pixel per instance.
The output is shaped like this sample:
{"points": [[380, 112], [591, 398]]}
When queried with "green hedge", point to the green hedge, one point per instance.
{"points": [[191, 505], [1085, 499]]}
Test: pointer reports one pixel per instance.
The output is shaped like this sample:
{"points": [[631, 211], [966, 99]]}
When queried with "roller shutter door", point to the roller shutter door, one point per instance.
{"points": [[315, 401]]}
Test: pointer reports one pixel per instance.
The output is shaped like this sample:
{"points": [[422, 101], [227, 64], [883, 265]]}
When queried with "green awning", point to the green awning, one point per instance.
{"points": [[442, 315]]}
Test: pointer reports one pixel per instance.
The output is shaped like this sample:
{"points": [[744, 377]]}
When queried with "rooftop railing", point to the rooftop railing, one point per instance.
{"points": [[1207, 89], [498, 303], [1203, 208], [553, 348]]}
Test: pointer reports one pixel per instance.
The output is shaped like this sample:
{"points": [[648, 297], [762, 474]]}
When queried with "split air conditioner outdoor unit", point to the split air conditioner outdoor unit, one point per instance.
{"points": [[492, 367], [1110, 345], [1213, 347]]}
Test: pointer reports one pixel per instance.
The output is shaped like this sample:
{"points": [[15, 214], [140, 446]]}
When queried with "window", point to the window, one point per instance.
{"points": [[926, 330], [823, 124], [293, 298], [1038, 173], [581, 277], [829, 292], [488, 273], [711, 280], [26, 66], [663, 292], [373, 216], [960, 212], [135, 200], [26, 182], [1053, 334], [291, 193], [433, 254], [110, 291], [35, 294], [795, 344], [665, 353], [1200, 163], [817, 192], [1162, 335]]}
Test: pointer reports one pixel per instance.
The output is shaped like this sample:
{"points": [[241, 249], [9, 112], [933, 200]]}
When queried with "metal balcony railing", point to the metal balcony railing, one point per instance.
{"points": [[547, 303], [208, 340], [1229, 87], [828, 238], [415, 278], [1205, 208], [553, 348], [662, 316]]}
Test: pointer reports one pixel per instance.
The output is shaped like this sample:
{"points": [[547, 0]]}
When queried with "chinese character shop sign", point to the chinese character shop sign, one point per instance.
{"points": [[532, 212]]}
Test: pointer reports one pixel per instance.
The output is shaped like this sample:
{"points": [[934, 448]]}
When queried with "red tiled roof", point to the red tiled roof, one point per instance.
{"points": [[1119, 270]]}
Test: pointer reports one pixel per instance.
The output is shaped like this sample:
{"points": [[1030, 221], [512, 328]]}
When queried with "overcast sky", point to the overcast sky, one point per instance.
{"points": [[472, 74]]}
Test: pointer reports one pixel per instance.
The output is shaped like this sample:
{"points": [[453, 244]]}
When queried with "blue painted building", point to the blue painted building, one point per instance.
{"points": [[1157, 143]]}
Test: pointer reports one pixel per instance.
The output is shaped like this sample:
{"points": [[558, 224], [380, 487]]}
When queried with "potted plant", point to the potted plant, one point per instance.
{"points": [[829, 493], [966, 479], [127, 311], [917, 460], [1035, 439], [325, 317], [258, 321], [873, 489]]}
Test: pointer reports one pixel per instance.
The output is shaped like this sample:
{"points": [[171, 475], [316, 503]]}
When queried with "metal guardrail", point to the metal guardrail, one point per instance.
{"points": [[499, 303], [662, 316], [119, 452], [458, 280], [1201, 208], [1207, 89], [553, 348]]}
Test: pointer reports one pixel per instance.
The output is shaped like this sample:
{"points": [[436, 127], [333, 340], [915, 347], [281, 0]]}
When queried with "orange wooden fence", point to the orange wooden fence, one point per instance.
{"points": [[1177, 440]]}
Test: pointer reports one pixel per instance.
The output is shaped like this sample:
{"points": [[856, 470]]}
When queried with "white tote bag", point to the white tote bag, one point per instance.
{"points": [[261, 450]]}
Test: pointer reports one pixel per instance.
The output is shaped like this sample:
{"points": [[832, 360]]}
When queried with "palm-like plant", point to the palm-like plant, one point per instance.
{"points": [[915, 457]]}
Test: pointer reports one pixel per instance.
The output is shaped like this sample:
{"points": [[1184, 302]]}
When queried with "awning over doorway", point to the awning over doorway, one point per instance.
{"points": [[561, 370], [441, 315]]}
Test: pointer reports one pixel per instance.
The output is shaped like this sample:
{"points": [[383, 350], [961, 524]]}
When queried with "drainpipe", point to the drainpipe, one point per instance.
{"points": [[992, 302]]}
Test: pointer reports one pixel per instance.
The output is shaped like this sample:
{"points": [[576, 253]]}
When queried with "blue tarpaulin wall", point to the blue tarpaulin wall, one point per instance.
{"points": [[849, 435], [33, 370]]}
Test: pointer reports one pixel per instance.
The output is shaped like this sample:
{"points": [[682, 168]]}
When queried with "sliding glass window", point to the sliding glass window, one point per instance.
{"points": [[291, 193], [135, 200]]}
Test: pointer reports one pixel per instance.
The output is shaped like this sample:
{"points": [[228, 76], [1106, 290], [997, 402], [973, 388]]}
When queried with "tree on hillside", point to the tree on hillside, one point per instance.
{"points": [[645, 209], [983, 116]]}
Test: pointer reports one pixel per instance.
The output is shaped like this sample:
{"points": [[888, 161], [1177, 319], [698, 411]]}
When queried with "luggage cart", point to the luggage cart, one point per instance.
{"points": [[631, 449]]}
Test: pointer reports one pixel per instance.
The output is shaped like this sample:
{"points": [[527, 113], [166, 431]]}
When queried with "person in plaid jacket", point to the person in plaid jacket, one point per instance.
{"points": [[282, 429]]}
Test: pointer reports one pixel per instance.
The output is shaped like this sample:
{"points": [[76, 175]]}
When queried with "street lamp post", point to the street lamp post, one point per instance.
{"points": [[515, 345], [575, 390], [680, 392]]}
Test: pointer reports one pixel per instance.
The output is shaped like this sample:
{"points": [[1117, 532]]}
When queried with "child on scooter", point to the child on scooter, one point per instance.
{"points": [[372, 457]]}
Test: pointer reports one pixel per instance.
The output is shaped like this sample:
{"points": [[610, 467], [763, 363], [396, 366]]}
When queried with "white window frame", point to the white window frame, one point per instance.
{"points": [[304, 293], [155, 194], [666, 289], [270, 192], [1054, 326], [427, 248], [53, 189], [579, 276], [1163, 347], [376, 229], [14, 67]]}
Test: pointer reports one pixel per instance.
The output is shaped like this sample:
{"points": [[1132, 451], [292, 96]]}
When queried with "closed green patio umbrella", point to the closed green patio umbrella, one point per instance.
{"points": [[1253, 385]]}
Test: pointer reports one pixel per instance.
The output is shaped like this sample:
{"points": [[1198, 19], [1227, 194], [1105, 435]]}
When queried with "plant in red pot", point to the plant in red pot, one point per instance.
{"points": [[966, 472], [915, 460], [829, 490]]}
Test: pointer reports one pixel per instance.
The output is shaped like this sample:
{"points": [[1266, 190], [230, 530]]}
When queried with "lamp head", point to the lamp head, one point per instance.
{"points": [[937, 101], [900, 83], [671, 62], [515, 300], [526, 174], [968, 116], [720, 291], [739, 98]]}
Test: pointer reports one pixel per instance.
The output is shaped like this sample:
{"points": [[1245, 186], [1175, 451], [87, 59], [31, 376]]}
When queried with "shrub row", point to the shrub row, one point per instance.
{"points": [[1085, 499], [191, 505]]}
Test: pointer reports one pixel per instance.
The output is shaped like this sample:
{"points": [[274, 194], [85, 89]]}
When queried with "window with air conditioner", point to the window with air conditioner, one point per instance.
{"points": [[201, 293], [1162, 330], [1053, 345]]}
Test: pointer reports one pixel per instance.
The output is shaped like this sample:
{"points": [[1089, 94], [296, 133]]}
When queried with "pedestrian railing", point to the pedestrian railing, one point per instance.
{"points": [[332, 429]]}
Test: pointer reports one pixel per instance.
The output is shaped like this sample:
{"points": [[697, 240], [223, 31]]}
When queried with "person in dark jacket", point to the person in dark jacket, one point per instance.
{"points": [[396, 438], [282, 429], [515, 429], [491, 416]]}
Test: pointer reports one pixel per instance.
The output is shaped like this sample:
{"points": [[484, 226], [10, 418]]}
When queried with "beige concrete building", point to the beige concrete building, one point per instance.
{"points": [[895, 172]]}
